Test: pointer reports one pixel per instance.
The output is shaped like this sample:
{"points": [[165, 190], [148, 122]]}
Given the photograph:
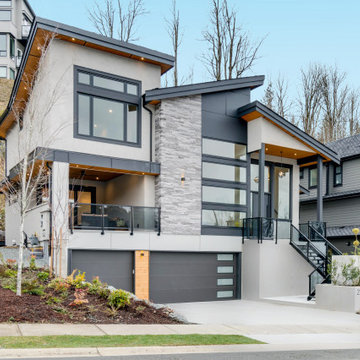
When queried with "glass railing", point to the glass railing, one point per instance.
{"points": [[266, 229], [315, 278], [114, 217]]}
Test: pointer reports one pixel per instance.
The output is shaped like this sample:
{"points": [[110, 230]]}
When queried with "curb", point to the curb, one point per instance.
{"points": [[168, 350]]}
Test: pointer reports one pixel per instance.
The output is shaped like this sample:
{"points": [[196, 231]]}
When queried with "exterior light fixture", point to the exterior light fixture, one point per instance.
{"points": [[110, 111], [142, 58], [266, 149], [97, 178], [182, 179], [256, 179], [73, 39], [295, 154]]}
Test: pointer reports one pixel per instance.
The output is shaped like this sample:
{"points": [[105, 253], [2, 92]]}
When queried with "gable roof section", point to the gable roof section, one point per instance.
{"points": [[347, 147], [256, 110], [155, 95], [32, 53]]}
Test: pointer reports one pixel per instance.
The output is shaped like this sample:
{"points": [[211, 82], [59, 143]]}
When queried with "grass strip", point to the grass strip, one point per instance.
{"points": [[74, 341]]}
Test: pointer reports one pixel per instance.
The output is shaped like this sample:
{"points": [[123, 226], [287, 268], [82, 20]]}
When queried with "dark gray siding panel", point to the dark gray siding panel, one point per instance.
{"points": [[113, 267], [351, 177], [336, 213], [184, 277], [219, 115]]}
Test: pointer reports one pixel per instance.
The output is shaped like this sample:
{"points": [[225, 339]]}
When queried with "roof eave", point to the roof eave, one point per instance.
{"points": [[203, 88], [256, 106]]}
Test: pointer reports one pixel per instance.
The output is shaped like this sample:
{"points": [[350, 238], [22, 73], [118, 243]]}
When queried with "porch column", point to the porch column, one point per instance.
{"points": [[262, 181], [60, 216], [319, 189]]}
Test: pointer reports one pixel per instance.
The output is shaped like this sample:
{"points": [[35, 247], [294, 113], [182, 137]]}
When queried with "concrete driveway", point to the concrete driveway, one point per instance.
{"points": [[276, 323]]}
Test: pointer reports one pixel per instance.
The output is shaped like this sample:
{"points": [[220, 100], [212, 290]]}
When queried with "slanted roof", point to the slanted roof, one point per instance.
{"points": [[155, 95], [340, 231], [40, 31], [347, 147], [257, 110], [334, 196]]}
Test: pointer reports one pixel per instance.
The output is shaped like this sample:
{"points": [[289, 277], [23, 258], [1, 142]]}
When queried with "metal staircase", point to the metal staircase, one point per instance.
{"points": [[316, 250]]}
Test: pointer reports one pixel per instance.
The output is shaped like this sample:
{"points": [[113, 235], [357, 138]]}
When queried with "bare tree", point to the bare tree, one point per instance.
{"points": [[231, 52], [173, 28], [268, 98], [334, 94], [353, 113], [310, 98], [282, 102], [33, 136], [117, 20]]}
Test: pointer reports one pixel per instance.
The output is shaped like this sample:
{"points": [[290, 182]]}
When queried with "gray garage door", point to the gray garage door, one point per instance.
{"points": [[112, 267], [182, 277]]}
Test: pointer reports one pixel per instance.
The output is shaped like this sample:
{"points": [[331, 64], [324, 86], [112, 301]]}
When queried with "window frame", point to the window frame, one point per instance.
{"points": [[13, 41], [6, 71], [5, 6], [309, 175], [335, 174], [14, 72], [106, 94], [301, 173], [6, 52], [6, 10]]}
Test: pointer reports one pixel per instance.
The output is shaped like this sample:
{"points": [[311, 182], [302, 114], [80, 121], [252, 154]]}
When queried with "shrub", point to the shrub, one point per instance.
{"points": [[43, 275], [118, 299], [11, 263], [79, 298], [96, 287], [60, 286], [33, 263], [32, 287], [9, 273], [53, 300], [9, 283], [78, 281]]}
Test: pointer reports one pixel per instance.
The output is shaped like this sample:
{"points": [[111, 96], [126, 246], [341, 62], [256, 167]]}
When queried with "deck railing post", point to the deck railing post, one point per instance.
{"points": [[102, 220], [159, 223], [131, 221]]}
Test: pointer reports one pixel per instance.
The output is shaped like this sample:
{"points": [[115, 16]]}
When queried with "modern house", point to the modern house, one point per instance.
{"points": [[341, 193], [187, 193], [16, 17]]}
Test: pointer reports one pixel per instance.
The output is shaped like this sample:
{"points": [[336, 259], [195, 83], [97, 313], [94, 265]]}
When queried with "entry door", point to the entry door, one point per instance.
{"points": [[255, 204]]}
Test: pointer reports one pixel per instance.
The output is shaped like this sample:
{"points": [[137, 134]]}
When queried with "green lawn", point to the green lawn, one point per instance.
{"points": [[69, 341]]}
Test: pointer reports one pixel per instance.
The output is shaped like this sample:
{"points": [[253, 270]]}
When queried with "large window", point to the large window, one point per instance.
{"points": [[3, 45], [3, 72], [224, 172], [12, 47], [312, 177], [5, 15], [222, 218], [224, 149], [224, 195], [5, 3], [107, 107], [338, 175]]}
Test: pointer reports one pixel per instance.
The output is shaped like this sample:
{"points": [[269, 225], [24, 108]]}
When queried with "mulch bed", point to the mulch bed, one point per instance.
{"points": [[34, 309]]}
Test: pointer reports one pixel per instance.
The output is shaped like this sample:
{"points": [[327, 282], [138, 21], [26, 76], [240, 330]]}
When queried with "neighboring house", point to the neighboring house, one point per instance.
{"points": [[341, 190], [187, 193], [16, 17]]}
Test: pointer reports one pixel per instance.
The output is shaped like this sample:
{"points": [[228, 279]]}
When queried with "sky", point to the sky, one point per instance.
{"points": [[297, 32]]}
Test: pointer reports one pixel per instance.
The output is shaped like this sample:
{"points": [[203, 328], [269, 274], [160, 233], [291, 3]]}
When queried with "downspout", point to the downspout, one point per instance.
{"points": [[151, 129], [327, 179], [50, 203]]}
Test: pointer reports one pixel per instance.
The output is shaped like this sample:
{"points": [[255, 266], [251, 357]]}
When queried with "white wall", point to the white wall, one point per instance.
{"points": [[32, 222], [263, 131], [12, 223], [271, 270], [58, 73], [130, 190]]}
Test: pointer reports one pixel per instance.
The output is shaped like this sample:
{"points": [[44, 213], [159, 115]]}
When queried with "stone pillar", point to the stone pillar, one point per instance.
{"points": [[60, 216], [142, 274]]}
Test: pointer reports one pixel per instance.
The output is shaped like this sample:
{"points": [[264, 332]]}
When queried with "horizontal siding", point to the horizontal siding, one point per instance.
{"points": [[336, 213], [351, 177]]}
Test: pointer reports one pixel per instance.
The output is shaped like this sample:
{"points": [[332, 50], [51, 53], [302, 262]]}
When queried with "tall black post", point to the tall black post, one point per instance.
{"points": [[319, 189], [262, 181]]}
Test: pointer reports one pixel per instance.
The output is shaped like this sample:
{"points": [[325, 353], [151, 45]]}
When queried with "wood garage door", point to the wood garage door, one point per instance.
{"points": [[184, 277], [112, 267]]}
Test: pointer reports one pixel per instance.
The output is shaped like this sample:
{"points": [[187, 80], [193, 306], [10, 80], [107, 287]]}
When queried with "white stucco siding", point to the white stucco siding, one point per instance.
{"points": [[58, 73], [263, 131]]}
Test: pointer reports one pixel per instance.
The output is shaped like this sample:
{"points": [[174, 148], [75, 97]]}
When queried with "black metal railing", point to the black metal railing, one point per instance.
{"points": [[260, 228], [104, 217]]}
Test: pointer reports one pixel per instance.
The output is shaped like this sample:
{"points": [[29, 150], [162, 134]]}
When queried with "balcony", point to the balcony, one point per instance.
{"points": [[109, 217]]}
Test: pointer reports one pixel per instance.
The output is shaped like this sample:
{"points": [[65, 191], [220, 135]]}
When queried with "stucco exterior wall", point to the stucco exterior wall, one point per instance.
{"points": [[58, 73], [178, 149]]}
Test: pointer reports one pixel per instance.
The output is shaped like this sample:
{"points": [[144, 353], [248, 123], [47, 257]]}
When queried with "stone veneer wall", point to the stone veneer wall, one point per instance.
{"points": [[178, 150]]}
